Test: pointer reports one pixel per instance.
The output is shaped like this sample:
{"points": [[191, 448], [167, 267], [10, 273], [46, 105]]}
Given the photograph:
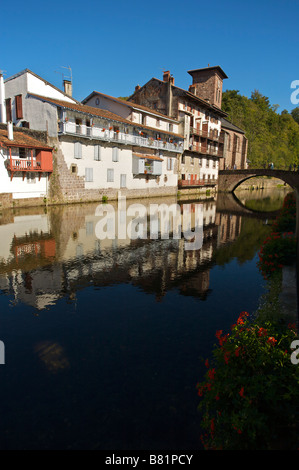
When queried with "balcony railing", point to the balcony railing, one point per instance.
{"points": [[119, 137], [17, 164], [196, 183], [206, 150], [209, 135]]}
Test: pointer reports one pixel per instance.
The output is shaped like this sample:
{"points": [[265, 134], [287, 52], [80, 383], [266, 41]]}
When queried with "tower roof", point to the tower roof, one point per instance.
{"points": [[215, 68]]}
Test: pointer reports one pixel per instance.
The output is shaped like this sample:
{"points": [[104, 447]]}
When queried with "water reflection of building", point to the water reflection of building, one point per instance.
{"points": [[44, 257]]}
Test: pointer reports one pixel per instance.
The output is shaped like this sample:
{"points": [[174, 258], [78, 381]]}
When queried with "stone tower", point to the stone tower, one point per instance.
{"points": [[207, 84]]}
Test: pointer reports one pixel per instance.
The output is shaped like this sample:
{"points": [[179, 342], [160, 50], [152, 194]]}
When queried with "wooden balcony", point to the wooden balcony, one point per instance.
{"points": [[206, 150], [208, 135], [42, 165]]}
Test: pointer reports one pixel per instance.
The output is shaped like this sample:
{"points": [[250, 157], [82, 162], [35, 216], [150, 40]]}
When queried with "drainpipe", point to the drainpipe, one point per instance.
{"points": [[2, 100]]}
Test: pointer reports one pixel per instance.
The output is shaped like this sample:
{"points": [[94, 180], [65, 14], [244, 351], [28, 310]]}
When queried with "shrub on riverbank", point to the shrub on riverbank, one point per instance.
{"points": [[279, 248], [251, 391]]}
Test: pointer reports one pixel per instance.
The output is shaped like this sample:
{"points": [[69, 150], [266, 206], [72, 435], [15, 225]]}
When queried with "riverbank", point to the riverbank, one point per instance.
{"points": [[250, 391]]}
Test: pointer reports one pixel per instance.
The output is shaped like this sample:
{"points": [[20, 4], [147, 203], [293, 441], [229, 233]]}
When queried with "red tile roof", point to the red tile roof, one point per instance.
{"points": [[148, 157], [131, 104], [103, 113], [20, 139]]}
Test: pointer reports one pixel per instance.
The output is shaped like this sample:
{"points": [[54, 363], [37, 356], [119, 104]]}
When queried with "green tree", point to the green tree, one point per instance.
{"points": [[272, 137]]}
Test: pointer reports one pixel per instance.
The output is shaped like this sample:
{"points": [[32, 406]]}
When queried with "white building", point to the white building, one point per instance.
{"points": [[108, 149]]}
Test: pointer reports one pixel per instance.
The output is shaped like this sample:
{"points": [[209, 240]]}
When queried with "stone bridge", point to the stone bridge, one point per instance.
{"points": [[229, 180]]}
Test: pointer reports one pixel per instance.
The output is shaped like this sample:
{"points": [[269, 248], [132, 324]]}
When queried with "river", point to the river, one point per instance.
{"points": [[105, 338]]}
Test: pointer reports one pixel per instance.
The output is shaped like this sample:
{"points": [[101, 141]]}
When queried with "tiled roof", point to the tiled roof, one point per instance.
{"points": [[229, 125], [148, 157], [20, 139], [103, 113], [188, 94], [131, 104]]}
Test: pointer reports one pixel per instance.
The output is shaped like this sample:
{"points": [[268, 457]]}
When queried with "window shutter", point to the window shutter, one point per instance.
{"points": [[110, 175], [19, 107], [97, 152], [78, 150], [115, 154], [8, 109], [88, 174]]}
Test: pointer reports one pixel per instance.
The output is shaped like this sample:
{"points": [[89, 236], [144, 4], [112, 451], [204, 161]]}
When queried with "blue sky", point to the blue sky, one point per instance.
{"points": [[111, 46]]}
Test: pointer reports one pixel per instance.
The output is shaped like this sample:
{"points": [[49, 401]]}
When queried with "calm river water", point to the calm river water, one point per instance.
{"points": [[105, 338]]}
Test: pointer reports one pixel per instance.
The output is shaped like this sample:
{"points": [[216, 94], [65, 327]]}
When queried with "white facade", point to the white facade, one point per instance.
{"points": [[105, 145], [132, 112], [28, 187]]}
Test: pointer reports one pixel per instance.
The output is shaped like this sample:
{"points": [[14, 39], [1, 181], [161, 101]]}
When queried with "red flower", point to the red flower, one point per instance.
{"points": [[271, 340], [241, 392], [211, 374], [262, 332]]}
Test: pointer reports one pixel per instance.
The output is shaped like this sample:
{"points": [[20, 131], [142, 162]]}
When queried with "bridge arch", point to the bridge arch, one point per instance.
{"points": [[229, 180]]}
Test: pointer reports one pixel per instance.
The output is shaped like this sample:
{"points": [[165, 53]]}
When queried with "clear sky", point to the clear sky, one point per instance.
{"points": [[111, 46]]}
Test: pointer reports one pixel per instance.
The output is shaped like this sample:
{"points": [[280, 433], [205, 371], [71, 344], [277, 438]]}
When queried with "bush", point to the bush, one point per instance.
{"points": [[286, 221], [278, 249], [250, 393]]}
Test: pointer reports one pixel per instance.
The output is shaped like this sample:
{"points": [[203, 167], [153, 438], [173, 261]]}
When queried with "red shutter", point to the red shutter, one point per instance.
{"points": [[8, 109], [19, 107]]}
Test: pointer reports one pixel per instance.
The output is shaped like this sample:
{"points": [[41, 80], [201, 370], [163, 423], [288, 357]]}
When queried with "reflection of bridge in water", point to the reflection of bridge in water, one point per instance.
{"points": [[229, 203]]}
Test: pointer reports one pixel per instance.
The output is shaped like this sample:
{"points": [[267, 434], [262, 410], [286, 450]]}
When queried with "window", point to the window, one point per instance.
{"points": [[19, 107], [110, 175], [97, 101], [89, 174], [77, 150], [31, 178], [170, 127], [89, 228], [158, 122], [8, 110], [183, 159], [169, 163], [22, 152], [123, 181], [115, 157], [97, 152]]}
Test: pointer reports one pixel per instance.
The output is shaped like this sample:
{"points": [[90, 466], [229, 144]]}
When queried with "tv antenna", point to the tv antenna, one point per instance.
{"points": [[70, 76]]}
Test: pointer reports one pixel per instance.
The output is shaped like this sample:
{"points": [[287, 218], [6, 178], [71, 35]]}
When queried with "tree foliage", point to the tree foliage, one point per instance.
{"points": [[272, 137]]}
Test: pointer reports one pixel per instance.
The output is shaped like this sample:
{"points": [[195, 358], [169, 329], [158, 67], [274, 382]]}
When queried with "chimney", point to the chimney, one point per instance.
{"points": [[168, 78], [9, 130], [68, 89], [2, 100]]}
